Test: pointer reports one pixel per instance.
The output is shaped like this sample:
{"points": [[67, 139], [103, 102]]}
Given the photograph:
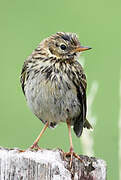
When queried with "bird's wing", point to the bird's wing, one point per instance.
{"points": [[23, 76], [81, 94]]}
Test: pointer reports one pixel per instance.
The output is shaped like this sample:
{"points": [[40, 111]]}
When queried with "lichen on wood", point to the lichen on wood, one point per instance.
{"points": [[48, 165]]}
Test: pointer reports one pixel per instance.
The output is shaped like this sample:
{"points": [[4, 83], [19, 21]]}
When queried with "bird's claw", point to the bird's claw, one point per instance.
{"points": [[35, 146], [71, 154], [21, 150]]}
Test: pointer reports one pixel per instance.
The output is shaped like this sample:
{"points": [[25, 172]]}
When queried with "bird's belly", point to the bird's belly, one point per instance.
{"points": [[51, 101]]}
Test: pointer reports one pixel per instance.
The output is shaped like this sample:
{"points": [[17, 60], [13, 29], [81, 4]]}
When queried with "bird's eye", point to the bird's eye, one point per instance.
{"points": [[63, 46]]}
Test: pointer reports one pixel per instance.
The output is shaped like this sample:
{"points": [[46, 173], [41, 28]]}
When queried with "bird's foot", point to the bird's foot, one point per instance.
{"points": [[71, 154], [35, 146], [21, 150]]}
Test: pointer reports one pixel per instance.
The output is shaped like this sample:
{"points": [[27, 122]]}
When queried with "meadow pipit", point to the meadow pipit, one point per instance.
{"points": [[54, 84]]}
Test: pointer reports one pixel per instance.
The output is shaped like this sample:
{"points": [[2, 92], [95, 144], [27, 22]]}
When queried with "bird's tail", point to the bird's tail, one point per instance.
{"points": [[78, 126], [87, 125]]}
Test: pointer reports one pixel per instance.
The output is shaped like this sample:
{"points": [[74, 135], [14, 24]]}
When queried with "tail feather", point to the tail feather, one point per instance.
{"points": [[78, 127], [87, 125]]}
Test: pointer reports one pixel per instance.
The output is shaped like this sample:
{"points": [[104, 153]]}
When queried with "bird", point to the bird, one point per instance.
{"points": [[54, 84]]}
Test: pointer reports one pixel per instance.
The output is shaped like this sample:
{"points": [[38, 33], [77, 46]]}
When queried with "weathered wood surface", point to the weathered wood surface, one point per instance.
{"points": [[48, 165]]}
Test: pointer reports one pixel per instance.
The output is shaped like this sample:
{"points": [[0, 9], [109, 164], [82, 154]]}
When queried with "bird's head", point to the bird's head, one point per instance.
{"points": [[64, 45]]}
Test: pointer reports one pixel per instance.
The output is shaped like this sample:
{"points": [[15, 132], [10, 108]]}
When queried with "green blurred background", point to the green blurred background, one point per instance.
{"points": [[23, 24]]}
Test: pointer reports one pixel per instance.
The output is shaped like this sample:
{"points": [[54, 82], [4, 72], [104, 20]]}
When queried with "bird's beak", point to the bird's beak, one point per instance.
{"points": [[81, 48]]}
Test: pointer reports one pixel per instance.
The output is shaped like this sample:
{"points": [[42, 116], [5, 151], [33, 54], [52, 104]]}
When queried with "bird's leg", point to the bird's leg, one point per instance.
{"points": [[71, 153], [35, 144], [71, 144]]}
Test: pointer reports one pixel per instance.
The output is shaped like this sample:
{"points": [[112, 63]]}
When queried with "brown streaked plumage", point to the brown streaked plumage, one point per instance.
{"points": [[54, 84]]}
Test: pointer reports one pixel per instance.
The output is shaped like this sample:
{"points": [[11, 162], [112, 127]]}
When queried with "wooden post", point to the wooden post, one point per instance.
{"points": [[48, 165]]}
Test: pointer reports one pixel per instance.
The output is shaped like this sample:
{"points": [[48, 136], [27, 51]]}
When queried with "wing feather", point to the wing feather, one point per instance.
{"points": [[23, 76], [81, 94]]}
